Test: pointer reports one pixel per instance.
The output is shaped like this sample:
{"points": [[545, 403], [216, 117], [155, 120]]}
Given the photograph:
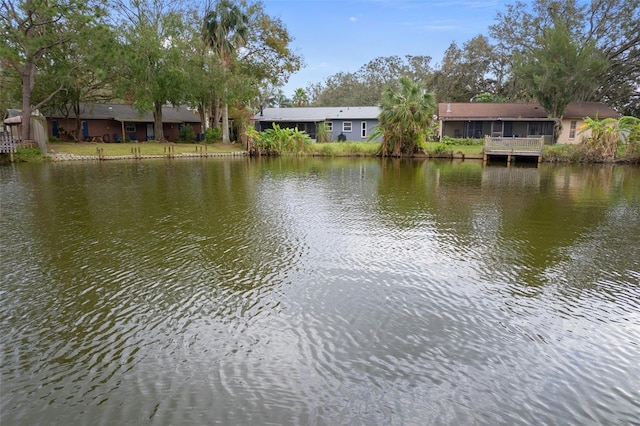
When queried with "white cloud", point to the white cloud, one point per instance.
{"points": [[353, 19]]}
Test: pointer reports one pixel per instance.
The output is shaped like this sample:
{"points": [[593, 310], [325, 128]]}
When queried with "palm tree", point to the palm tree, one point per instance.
{"points": [[300, 98], [282, 101], [405, 117], [225, 31]]}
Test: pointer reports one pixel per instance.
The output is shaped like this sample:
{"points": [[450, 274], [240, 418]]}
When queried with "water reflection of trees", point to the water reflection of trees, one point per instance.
{"points": [[211, 211], [519, 221]]}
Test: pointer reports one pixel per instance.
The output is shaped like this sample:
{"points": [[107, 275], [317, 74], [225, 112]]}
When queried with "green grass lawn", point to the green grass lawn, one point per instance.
{"points": [[146, 148], [433, 147], [330, 149]]}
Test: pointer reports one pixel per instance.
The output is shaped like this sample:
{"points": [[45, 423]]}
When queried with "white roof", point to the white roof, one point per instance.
{"points": [[316, 114]]}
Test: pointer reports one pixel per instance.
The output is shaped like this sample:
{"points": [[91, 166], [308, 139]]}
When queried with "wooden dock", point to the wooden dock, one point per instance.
{"points": [[512, 148]]}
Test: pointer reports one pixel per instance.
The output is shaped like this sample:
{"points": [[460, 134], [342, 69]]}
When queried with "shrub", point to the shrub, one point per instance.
{"points": [[186, 134], [440, 149], [278, 141], [559, 154], [585, 152], [448, 140], [213, 135], [322, 133]]}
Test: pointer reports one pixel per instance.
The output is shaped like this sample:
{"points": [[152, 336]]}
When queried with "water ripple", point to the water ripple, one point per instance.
{"points": [[319, 297]]}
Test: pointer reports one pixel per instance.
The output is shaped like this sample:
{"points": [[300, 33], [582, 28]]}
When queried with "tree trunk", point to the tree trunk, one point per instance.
{"points": [[158, 132], [27, 75], [397, 146], [217, 112], [78, 122], [225, 124], [202, 112], [557, 129]]}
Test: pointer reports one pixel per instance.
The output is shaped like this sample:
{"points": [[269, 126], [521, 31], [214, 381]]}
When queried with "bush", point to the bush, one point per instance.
{"points": [[322, 133], [440, 149], [186, 134], [581, 153], [559, 154], [278, 141], [448, 140], [213, 135]]}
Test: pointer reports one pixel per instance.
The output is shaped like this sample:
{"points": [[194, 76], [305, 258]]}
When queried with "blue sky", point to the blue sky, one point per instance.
{"points": [[343, 35]]}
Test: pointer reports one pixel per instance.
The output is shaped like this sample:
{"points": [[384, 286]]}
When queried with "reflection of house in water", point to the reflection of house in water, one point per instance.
{"points": [[586, 182], [523, 177]]}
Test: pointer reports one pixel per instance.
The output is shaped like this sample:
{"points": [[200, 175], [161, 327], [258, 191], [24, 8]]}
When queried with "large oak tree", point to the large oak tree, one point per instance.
{"points": [[154, 42], [558, 70], [611, 26], [32, 33]]}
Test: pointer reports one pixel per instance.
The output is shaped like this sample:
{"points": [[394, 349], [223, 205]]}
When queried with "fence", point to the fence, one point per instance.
{"points": [[7, 143]]}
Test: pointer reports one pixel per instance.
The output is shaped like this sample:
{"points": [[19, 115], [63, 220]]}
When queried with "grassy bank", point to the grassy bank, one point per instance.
{"points": [[330, 149], [554, 153], [582, 154], [146, 148], [345, 149], [365, 149], [30, 155]]}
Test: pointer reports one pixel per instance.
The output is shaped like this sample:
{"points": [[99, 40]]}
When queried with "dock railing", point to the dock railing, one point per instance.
{"points": [[513, 147]]}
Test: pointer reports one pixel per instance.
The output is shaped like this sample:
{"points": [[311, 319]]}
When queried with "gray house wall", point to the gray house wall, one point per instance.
{"points": [[355, 134], [308, 119], [310, 128]]}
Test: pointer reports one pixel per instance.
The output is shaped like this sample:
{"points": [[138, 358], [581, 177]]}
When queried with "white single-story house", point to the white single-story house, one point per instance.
{"points": [[343, 123], [476, 120]]}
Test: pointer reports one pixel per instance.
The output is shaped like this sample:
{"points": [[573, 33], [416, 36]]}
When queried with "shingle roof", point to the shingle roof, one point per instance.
{"points": [[589, 109], [316, 114], [490, 111], [128, 113]]}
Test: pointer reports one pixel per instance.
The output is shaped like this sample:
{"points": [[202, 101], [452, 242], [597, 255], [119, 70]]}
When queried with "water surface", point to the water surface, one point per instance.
{"points": [[306, 291]]}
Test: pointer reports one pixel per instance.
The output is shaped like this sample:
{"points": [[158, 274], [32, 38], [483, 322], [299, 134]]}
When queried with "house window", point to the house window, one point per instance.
{"points": [[329, 126], [346, 126], [363, 129], [130, 127], [572, 129]]}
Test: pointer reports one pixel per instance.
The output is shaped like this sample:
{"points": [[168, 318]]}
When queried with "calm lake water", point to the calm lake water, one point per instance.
{"points": [[319, 291]]}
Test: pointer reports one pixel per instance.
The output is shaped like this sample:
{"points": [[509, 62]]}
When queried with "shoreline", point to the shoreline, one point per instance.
{"points": [[62, 157]]}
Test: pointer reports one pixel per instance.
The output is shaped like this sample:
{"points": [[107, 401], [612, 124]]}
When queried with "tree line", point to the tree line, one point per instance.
{"points": [[221, 58], [549, 51], [229, 58]]}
